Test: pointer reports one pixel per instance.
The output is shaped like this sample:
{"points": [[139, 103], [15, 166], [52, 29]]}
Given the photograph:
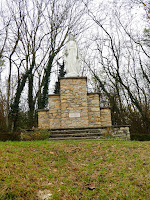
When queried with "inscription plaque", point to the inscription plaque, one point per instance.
{"points": [[75, 114]]}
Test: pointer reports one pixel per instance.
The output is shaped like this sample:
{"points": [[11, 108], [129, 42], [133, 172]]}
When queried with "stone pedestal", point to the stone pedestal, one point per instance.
{"points": [[74, 107], [73, 100]]}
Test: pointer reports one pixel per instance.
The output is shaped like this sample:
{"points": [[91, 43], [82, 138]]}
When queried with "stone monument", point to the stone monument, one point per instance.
{"points": [[73, 107], [75, 110]]}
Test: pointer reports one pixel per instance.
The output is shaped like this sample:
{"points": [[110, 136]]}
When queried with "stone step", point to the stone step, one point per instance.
{"points": [[90, 133], [77, 131], [78, 138], [82, 134], [78, 134]]}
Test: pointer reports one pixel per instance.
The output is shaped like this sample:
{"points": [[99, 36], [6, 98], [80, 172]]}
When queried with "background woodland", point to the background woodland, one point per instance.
{"points": [[114, 38]]}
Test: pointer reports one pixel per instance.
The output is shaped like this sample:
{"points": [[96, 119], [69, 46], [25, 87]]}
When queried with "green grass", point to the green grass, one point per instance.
{"points": [[75, 169]]}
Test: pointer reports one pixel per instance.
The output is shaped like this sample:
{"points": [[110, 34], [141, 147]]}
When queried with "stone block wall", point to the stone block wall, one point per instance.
{"points": [[93, 110], [54, 111], [43, 119], [73, 98], [74, 108], [121, 132], [105, 117]]}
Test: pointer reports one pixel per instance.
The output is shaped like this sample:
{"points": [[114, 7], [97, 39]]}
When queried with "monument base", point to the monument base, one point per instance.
{"points": [[74, 107], [100, 133]]}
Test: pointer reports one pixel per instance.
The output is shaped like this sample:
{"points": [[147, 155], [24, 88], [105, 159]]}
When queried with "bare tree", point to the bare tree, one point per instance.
{"points": [[121, 57], [37, 34]]}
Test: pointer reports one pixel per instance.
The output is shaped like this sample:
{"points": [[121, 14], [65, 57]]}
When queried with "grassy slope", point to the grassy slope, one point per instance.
{"points": [[75, 169]]}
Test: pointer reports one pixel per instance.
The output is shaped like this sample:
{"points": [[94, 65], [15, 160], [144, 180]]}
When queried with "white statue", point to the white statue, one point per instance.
{"points": [[72, 58]]}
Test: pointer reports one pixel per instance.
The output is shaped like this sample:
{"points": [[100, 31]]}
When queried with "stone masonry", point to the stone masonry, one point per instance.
{"points": [[54, 111], [73, 98], [43, 119], [74, 107], [94, 110], [105, 117]]}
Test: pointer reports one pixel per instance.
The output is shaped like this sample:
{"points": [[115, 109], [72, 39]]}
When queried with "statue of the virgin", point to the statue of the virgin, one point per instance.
{"points": [[72, 58]]}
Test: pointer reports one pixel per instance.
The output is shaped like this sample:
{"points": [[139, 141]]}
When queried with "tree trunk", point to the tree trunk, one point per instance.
{"points": [[30, 101]]}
